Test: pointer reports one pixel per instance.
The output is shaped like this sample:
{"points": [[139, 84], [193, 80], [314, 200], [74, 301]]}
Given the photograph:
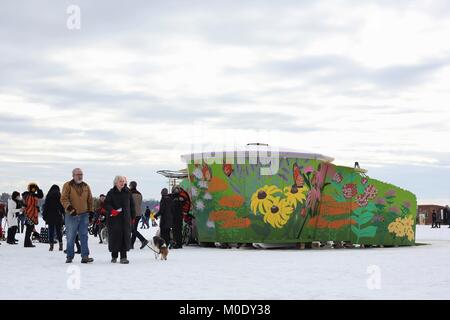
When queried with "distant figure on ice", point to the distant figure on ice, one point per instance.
{"points": [[31, 199], [433, 219], [2, 215], [53, 214], [447, 214], [100, 215], [438, 219], [165, 212], [120, 212], [145, 219], [76, 199], [137, 198], [15, 207], [152, 217]]}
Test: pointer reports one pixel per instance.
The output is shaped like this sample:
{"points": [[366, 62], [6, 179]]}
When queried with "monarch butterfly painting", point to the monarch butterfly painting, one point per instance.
{"points": [[298, 178]]}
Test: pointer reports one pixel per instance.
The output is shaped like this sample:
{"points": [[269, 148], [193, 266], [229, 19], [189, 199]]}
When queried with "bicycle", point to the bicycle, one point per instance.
{"points": [[188, 234]]}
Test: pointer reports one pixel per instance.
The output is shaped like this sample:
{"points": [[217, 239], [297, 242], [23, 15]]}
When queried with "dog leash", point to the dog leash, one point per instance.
{"points": [[156, 253]]}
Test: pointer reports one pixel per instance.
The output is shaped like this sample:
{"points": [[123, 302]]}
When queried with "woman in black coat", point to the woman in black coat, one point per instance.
{"points": [[120, 212], [177, 214], [166, 214], [53, 215]]}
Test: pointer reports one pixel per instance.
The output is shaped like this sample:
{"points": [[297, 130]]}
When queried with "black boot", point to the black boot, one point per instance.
{"points": [[51, 247], [61, 246], [87, 260], [144, 244]]}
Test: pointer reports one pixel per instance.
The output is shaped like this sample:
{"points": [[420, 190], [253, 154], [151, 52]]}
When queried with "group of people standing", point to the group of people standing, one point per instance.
{"points": [[436, 217], [72, 206], [27, 206], [171, 213]]}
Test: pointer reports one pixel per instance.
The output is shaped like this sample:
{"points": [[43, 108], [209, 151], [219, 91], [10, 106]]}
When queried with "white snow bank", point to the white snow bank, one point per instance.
{"points": [[420, 272]]}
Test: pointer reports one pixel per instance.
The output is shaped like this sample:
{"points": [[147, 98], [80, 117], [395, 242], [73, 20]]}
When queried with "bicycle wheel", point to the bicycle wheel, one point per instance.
{"points": [[186, 234], [103, 234]]}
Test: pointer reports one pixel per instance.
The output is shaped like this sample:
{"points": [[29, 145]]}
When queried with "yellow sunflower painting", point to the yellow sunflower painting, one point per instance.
{"points": [[278, 214], [263, 198], [295, 195]]}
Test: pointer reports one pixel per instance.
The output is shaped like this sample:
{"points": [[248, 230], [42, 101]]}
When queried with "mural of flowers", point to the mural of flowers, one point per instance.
{"points": [[349, 190], [338, 178], [207, 196], [309, 170], [394, 210], [362, 200], [278, 215], [295, 195], [194, 192], [198, 173], [263, 198], [317, 185], [406, 207], [390, 195], [305, 199], [234, 201], [378, 218], [370, 192], [380, 202], [227, 169], [203, 184], [200, 205], [402, 227]]}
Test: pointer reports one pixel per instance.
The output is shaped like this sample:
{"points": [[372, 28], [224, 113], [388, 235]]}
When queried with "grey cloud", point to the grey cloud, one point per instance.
{"points": [[20, 127], [342, 71]]}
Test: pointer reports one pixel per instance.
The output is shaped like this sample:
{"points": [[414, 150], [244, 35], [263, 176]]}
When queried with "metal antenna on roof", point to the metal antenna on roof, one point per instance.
{"points": [[258, 144]]}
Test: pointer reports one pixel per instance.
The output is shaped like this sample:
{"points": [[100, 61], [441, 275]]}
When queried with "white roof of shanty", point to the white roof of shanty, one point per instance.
{"points": [[253, 151]]}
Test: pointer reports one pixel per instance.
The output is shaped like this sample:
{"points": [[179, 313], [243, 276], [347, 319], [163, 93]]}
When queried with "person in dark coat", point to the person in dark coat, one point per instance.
{"points": [[438, 219], [31, 199], [177, 213], [137, 199], [120, 211], [165, 212], [447, 214], [433, 219], [145, 219], [53, 214], [2, 215]]}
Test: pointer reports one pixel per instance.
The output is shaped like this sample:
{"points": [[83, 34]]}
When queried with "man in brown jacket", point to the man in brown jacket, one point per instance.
{"points": [[137, 197], [76, 198]]}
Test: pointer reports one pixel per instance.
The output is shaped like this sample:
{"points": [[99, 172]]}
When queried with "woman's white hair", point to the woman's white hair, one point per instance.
{"points": [[116, 179]]}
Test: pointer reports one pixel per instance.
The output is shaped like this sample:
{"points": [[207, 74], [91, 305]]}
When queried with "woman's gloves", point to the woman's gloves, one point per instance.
{"points": [[115, 212]]}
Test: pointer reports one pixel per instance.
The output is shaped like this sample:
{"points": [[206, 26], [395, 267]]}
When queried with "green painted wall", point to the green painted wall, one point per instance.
{"points": [[306, 200]]}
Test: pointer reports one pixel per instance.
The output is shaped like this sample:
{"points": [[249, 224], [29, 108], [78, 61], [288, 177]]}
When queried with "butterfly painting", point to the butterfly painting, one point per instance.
{"points": [[299, 181]]}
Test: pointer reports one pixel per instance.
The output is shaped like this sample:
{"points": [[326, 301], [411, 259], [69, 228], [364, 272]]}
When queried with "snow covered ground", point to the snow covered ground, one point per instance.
{"points": [[421, 272]]}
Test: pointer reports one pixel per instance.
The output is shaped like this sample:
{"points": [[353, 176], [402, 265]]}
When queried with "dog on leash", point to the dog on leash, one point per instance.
{"points": [[159, 247]]}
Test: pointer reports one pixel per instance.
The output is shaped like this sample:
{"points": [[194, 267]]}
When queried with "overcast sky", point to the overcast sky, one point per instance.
{"points": [[142, 82]]}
